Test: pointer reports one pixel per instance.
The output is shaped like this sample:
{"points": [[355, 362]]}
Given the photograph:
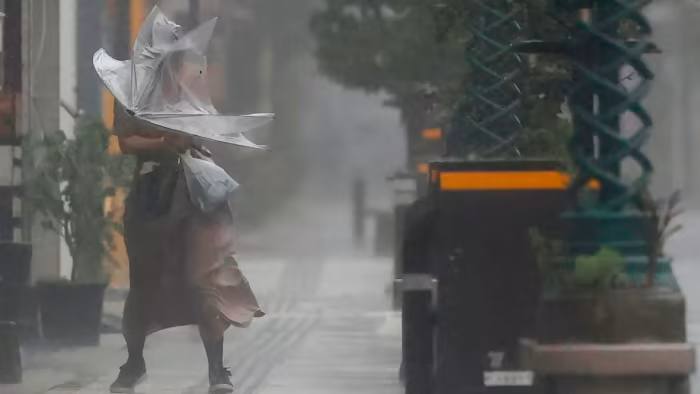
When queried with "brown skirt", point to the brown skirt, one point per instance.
{"points": [[180, 257]]}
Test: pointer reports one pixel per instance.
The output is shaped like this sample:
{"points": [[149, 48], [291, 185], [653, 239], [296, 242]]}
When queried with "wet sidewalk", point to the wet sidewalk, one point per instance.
{"points": [[329, 330]]}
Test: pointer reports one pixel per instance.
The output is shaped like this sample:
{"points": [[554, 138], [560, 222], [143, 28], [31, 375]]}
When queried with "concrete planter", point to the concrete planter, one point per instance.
{"points": [[613, 316], [629, 341]]}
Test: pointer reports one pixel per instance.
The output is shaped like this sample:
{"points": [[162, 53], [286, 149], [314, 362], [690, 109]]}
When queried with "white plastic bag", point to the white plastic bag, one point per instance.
{"points": [[209, 185]]}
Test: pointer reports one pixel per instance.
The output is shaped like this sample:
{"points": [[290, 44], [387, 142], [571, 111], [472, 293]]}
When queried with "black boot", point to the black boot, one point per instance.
{"points": [[219, 377], [130, 375], [134, 371], [220, 380]]}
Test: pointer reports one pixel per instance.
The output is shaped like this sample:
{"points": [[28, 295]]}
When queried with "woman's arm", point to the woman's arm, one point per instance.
{"points": [[141, 144]]}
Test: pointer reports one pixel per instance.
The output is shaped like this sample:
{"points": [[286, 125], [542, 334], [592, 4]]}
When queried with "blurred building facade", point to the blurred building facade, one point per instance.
{"points": [[31, 96], [675, 98]]}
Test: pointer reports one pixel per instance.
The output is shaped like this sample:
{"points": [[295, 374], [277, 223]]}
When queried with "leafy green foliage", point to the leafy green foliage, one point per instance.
{"points": [[392, 46], [548, 253], [414, 51], [67, 186], [605, 269], [546, 137], [662, 214], [384, 45]]}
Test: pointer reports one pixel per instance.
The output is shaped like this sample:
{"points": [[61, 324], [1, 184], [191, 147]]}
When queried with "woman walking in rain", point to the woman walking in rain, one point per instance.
{"points": [[181, 268], [182, 271]]}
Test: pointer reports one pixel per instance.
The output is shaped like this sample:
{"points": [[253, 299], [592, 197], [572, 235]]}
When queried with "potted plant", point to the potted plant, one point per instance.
{"points": [[606, 297], [662, 213], [66, 187]]}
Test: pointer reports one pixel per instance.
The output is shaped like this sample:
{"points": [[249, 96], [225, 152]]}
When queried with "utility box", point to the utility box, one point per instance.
{"points": [[476, 244]]}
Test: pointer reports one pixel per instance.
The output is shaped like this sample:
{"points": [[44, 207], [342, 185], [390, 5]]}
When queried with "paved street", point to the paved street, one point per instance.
{"points": [[329, 330]]}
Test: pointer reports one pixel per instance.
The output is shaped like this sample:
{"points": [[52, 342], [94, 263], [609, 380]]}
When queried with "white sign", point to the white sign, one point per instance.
{"points": [[508, 378]]}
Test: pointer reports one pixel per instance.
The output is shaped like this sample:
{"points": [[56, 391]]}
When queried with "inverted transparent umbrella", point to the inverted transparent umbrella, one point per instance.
{"points": [[165, 83]]}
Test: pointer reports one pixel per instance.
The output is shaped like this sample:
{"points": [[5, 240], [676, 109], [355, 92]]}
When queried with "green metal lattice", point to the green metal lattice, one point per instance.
{"points": [[606, 45], [601, 50], [487, 120]]}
